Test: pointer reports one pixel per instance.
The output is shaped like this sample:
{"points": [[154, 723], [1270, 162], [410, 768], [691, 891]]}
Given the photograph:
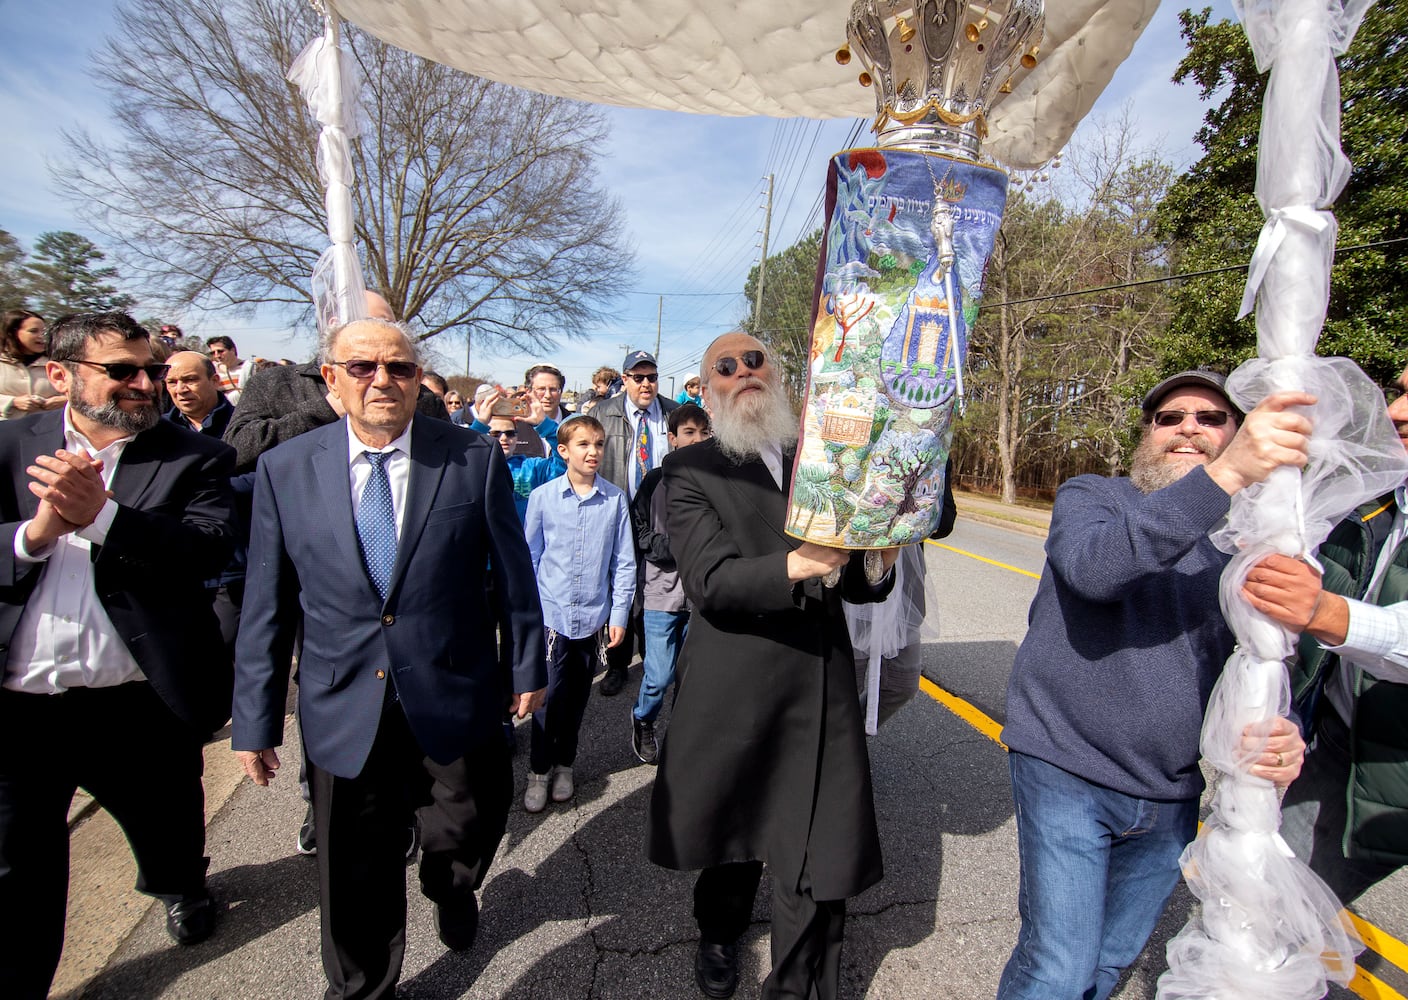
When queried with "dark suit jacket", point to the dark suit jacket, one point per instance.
{"points": [[620, 447], [767, 689], [174, 529], [432, 636]]}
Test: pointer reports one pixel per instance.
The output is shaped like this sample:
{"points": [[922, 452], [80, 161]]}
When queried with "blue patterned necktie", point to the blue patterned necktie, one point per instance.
{"points": [[642, 465], [376, 524]]}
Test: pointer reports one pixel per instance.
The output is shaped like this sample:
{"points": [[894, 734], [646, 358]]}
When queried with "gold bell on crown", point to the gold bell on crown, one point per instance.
{"points": [[937, 65]]}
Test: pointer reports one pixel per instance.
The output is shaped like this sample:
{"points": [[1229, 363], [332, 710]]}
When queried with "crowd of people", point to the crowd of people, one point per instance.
{"points": [[436, 568]]}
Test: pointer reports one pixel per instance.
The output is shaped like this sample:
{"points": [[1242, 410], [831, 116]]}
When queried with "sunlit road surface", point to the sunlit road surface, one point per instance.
{"points": [[572, 910], [1378, 917]]}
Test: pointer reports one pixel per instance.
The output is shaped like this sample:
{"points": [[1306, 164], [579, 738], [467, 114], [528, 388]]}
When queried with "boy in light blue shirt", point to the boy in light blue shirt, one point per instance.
{"points": [[579, 534]]}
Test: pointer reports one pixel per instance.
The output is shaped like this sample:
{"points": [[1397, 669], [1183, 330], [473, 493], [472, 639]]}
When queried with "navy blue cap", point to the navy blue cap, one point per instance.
{"points": [[637, 358]]}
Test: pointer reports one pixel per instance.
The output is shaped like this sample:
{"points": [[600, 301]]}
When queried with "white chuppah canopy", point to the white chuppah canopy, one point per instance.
{"points": [[720, 58]]}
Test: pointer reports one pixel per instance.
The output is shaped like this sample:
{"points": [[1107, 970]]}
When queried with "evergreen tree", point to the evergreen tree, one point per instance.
{"points": [[63, 278], [14, 292], [1212, 217], [785, 324]]}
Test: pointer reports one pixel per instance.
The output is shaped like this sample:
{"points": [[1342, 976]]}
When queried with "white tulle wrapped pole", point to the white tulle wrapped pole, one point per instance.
{"points": [[1267, 926], [330, 83]]}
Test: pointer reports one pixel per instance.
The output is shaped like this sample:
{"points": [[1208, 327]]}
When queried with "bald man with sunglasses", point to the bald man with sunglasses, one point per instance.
{"points": [[379, 532], [1106, 698]]}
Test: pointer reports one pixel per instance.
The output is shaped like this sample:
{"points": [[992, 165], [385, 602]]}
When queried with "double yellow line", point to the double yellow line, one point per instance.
{"points": [[1385, 945]]}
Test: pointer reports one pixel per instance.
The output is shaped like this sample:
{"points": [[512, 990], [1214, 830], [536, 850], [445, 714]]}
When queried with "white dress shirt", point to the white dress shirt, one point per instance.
{"points": [[65, 638], [659, 437], [398, 470], [1376, 640], [771, 454]]}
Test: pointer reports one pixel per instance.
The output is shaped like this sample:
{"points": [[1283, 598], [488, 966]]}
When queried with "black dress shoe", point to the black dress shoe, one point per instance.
{"points": [[614, 681], [191, 920], [643, 741], [458, 923], [307, 836], [716, 969]]}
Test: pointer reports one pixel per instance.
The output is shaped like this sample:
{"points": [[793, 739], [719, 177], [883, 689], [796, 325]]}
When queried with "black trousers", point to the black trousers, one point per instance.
{"points": [[572, 663], [138, 760], [361, 823], [806, 932]]}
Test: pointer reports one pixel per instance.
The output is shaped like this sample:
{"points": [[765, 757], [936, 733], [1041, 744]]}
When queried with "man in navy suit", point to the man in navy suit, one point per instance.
{"points": [[382, 527], [114, 674]]}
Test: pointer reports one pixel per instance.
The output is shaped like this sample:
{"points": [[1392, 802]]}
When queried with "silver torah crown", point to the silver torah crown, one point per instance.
{"points": [[936, 65]]}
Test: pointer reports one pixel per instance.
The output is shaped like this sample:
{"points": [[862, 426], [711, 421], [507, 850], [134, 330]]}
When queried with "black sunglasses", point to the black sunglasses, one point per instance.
{"points": [[638, 379], [1205, 418], [503, 434], [367, 369], [752, 360], [125, 371]]}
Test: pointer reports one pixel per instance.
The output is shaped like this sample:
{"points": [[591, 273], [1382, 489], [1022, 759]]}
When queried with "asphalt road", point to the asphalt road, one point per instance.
{"points": [[572, 910]]}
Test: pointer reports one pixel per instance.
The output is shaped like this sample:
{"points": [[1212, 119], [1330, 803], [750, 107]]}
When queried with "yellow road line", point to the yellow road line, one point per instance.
{"points": [[1371, 987], [968, 713], [984, 559]]}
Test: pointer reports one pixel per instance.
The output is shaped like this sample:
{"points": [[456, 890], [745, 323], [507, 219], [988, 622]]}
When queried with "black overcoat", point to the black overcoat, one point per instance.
{"points": [[765, 756]]}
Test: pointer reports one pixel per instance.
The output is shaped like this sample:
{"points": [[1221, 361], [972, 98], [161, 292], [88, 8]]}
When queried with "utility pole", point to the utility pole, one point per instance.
{"points": [[659, 316], [762, 264]]}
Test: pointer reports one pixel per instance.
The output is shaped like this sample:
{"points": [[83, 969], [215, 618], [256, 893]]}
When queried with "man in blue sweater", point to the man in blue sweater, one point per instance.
{"points": [[1106, 699]]}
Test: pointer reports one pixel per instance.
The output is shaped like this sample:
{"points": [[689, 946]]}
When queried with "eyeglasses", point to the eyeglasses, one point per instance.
{"points": [[125, 371], [1393, 393], [752, 360], [503, 434], [1205, 418], [363, 370], [638, 379]]}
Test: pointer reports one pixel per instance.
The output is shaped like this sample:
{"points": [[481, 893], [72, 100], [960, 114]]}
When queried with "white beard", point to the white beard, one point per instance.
{"points": [[743, 426], [1151, 469]]}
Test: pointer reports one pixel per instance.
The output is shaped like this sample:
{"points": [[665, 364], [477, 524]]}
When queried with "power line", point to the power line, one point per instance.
{"points": [[1135, 284], [1172, 277]]}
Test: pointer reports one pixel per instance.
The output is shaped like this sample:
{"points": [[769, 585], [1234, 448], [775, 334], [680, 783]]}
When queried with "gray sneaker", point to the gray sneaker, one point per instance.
{"points": [[643, 740], [535, 796], [562, 784]]}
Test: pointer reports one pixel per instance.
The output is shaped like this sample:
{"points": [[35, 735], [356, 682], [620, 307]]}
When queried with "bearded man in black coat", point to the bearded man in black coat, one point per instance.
{"points": [[765, 761]]}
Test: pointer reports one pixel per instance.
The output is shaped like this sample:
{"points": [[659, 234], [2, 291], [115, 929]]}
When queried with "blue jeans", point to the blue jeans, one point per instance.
{"points": [[664, 634], [1097, 868]]}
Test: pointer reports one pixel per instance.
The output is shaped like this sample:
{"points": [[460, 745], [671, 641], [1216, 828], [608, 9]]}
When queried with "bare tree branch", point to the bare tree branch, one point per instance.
{"points": [[476, 203]]}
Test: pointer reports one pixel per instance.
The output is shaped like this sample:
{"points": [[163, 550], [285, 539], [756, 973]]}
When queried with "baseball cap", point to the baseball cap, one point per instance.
{"points": [[637, 358], [1199, 377]]}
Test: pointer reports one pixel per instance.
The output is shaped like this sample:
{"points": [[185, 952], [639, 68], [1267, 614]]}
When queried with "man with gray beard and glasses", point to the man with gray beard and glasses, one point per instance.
{"points": [[766, 690], [114, 673], [1105, 702]]}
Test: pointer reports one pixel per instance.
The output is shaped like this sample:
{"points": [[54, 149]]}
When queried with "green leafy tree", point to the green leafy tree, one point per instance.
{"points": [[785, 322], [477, 206], [14, 290], [1053, 373], [64, 274], [1212, 218]]}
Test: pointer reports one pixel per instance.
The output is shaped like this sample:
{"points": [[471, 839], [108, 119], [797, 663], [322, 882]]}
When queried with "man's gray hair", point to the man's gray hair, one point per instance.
{"points": [[328, 343]]}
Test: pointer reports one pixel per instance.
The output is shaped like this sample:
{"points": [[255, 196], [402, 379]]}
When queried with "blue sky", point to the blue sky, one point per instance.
{"points": [[692, 188]]}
